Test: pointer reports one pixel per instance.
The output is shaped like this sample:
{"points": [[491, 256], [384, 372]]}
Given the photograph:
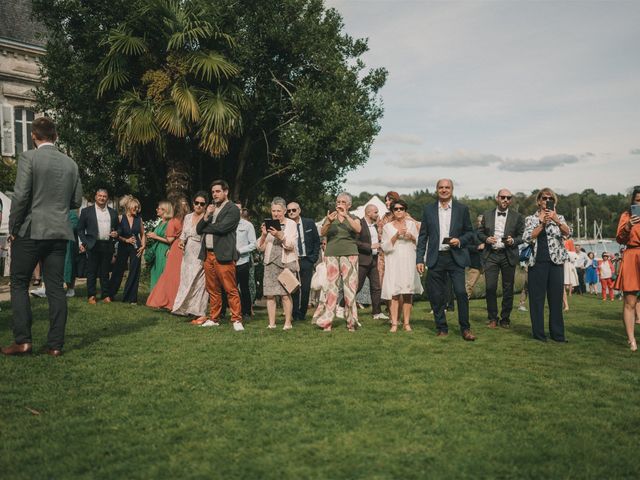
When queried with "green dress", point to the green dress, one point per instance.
{"points": [[160, 254]]}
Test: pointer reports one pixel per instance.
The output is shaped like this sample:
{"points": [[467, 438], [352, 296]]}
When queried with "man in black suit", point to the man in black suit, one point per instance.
{"points": [[97, 230], [308, 251], [501, 232], [47, 186], [446, 230], [368, 248]]}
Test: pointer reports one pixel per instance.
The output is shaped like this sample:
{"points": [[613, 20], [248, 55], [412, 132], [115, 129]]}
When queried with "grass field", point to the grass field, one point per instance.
{"points": [[142, 394]]}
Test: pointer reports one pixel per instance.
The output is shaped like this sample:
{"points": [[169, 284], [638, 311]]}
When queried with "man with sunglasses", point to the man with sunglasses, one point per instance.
{"points": [[308, 251], [501, 231]]}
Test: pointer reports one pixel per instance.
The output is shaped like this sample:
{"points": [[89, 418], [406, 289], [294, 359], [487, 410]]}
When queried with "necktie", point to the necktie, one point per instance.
{"points": [[300, 252], [502, 214]]}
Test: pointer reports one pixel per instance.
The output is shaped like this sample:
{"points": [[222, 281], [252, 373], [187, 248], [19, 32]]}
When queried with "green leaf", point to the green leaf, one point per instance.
{"points": [[170, 119], [124, 42], [186, 100], [207, 65]]}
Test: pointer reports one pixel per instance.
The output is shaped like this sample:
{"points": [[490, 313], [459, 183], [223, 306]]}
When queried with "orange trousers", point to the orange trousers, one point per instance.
{"points": [[219, 276]]}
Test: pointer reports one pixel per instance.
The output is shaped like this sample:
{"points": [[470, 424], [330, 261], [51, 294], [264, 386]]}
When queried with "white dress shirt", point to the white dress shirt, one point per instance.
{"points": [[498, 231], [444, 219], [300, 227], [373, 230], [104, 222]]}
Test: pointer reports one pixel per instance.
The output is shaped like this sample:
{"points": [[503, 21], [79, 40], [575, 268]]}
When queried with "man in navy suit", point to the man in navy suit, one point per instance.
{"points": [[446, 230], [97, 229], [308, 251]]}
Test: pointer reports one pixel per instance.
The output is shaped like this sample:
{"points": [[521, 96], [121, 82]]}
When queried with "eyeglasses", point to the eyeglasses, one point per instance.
{"points": [[505, 197], [546, 198], [290, 210], [201, 204], [399, 209]]}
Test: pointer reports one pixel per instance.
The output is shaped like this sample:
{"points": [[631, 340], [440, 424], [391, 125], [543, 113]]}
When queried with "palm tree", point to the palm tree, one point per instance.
{"points": [[172, 87]]}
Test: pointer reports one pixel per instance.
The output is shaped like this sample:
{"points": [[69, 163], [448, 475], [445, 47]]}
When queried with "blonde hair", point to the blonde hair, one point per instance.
{"points": [[168, 209], [131, 200]]}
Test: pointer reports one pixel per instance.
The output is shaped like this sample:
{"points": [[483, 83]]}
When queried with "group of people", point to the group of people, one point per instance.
{"points": [[199, 254]]}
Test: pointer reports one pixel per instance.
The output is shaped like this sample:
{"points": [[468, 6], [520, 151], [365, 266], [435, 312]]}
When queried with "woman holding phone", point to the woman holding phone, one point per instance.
{"points": [[628, 280], [278, 242], [341, 259], [544, 231]]}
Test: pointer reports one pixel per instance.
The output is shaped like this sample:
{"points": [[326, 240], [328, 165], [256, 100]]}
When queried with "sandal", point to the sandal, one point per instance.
{"points": [[394, 328], [407, 327]]}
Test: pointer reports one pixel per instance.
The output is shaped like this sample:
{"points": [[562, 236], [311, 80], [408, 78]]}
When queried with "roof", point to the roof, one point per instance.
{"points": [[16, 23]]}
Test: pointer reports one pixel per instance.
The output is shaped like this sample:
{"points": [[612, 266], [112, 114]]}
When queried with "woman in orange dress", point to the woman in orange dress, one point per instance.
{"points": [[628, 280], [164, 293]]}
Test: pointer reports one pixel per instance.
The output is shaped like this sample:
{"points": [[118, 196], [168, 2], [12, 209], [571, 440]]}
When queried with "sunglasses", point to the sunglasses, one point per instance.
{"points": [[292, 210], [505, 197], [201, 204], [546, 198], [399, 209]]}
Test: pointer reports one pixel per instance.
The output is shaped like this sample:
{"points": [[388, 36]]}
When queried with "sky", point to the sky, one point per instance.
{"points": [[493, 94]]}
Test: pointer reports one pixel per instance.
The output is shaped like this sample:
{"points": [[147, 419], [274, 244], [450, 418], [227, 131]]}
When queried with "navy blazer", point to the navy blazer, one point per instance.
{"points": [[88, 225], [311, 239], [430, 234]]}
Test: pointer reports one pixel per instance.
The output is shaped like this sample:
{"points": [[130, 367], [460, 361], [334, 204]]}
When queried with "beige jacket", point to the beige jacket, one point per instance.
{"points": [[289, 243]]}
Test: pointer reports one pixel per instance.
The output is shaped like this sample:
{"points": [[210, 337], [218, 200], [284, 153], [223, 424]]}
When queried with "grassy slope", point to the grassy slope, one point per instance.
{"points": [[141, 394]]}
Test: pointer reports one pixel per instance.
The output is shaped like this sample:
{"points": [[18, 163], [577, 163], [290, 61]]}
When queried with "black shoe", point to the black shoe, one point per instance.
{"points": [[505, 324]]}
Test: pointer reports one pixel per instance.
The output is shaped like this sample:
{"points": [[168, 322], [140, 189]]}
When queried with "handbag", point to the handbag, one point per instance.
{"points": [[525, 253], [289, 280], [319, 278]]}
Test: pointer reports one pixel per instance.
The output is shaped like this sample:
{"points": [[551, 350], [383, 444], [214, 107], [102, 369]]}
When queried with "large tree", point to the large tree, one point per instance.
{"points": [[310, 113]]}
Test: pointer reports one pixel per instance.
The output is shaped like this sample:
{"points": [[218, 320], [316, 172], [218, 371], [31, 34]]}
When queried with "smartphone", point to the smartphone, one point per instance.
{"points": [[635, 209], [272, 223], [446, 240], [551, 205]]}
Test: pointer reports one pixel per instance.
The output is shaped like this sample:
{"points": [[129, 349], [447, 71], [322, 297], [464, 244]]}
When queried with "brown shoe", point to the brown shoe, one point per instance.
{"points": [[92, 301], [53, 352], [468, 336], [492, 324], [442, 334], [17, 349], [106, 300]]}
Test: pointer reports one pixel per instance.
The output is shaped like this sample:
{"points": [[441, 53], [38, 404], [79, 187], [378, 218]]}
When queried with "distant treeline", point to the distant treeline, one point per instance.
{"points": [[600, 207]]}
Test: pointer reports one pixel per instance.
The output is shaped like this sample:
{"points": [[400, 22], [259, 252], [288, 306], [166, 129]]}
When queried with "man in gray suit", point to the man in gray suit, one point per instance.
{"points": [[47, 186]]}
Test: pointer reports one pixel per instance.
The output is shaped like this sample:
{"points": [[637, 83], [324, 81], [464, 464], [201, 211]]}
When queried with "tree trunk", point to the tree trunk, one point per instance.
{"points": [[178, 177]]}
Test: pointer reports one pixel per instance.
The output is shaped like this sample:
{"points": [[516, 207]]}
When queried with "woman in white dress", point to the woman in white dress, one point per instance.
{"points": [[401, 279], [192, 297]]}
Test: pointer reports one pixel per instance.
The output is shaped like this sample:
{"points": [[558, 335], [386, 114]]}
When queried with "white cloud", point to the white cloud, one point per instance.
{"points": [[547, 163], [635, 151], [396, 183], [402, 138], [455, 159]]}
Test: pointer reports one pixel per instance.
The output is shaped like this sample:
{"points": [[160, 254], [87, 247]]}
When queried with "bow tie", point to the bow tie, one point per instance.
{"points": [[502, 214]]}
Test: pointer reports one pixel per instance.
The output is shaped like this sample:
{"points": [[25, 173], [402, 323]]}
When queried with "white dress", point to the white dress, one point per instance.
{"points": [[570, 272], [192, 297], [400, 274]]}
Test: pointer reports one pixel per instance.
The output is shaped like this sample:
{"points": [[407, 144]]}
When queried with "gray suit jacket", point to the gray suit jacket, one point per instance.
{"points": [[47, 186]]}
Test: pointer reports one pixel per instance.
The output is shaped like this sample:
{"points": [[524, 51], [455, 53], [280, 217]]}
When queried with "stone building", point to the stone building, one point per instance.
{"points": [[21, 45]]}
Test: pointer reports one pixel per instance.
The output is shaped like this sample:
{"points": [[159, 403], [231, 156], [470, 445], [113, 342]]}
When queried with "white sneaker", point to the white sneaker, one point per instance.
{"points": [[522, 308], [71, 293], [380, 316], [340, 312], [39, 292], [210, 323], [238, 327]]}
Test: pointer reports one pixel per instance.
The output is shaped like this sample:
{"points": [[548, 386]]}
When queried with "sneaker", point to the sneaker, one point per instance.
{"points": [[340, 312], [380, 316], [71, 293], [39, 292], [522, 308], [238, 327], [210, 323]]}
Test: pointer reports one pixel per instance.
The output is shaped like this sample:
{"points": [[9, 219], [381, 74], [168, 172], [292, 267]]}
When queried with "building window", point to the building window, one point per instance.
{"points": [[23, 118]]}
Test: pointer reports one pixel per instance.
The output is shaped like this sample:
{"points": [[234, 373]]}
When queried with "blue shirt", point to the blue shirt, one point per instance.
{"points": [[245, 241]]}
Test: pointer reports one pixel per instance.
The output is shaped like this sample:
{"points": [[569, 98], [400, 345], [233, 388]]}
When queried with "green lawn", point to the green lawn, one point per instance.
{"points": [[142, 394]]}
